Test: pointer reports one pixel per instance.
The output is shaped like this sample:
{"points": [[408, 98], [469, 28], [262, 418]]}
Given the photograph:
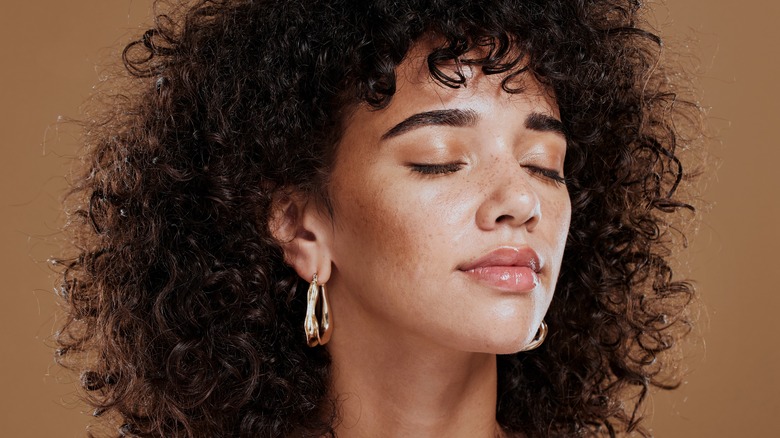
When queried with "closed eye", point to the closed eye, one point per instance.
{"points": [[435, 169], [549, 174]]}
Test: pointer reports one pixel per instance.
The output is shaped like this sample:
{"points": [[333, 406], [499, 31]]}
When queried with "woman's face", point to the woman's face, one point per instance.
{"points": [[448, 222]]}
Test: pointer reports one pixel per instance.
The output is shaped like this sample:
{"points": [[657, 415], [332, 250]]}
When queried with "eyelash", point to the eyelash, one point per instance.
{"points": [[436, 169], [548, 173], [443, 169]]}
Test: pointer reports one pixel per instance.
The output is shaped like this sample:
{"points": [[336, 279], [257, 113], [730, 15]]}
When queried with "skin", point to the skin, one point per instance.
{"points": [[415, 337]]}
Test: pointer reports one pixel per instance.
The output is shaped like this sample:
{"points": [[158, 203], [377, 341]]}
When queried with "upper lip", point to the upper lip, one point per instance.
{"points": [[506, 256]]}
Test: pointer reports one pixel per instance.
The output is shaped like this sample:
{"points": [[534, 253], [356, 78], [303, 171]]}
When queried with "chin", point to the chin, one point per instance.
{"points": [[506, 336], [512, 342], [507, 348]]}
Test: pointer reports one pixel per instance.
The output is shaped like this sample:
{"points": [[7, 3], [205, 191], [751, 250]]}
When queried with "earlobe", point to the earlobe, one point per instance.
{"points": [[303, 232]]}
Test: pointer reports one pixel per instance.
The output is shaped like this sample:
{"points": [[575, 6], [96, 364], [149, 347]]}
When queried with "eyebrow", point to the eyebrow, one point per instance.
{"points": [[460, 118], [544, 123], [446, 117]]}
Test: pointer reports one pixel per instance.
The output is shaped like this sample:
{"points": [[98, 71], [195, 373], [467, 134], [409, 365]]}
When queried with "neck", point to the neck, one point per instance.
{"points": [[394, 385]]}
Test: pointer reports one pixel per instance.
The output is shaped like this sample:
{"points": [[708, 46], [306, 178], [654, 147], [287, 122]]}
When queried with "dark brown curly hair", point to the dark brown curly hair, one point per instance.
{"points": [[181, 316]]}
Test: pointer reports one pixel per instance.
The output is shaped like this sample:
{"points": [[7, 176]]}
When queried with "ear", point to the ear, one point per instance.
{"points": [[303, 230]]}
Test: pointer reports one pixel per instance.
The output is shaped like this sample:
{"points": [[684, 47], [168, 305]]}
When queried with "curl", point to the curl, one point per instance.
{"points": [[183, 319]]}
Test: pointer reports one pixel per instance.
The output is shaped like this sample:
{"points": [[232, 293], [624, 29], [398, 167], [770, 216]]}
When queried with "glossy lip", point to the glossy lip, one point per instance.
{"points": [[509, 269], [506, 256]]}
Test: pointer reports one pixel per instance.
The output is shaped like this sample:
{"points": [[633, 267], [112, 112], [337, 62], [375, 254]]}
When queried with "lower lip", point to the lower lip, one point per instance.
{"points": [[518, 279]]}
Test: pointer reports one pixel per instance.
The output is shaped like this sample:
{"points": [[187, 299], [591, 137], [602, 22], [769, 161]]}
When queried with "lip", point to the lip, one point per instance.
{"points": [[510, 269]]}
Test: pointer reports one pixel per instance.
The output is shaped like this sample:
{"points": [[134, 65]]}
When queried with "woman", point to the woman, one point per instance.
{"points": [[380, 219]]}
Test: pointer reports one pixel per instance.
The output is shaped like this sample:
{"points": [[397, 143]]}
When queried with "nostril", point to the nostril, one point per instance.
{"points": [[504, 218]]}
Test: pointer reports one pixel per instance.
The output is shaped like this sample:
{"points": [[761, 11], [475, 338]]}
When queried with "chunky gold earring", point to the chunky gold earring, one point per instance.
{"points": [[326, 328], [317, 332], [538, 339]]}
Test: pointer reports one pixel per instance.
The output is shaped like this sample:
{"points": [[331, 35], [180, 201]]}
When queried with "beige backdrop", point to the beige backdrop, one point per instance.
{"points": [[49, 50]]}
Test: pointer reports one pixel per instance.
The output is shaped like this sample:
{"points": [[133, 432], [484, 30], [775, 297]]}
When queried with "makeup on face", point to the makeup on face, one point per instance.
{"points": [[508, 268], [450, 213]]}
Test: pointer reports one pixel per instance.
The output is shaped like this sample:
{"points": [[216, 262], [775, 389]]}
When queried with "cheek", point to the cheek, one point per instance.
{"points": [[561, 213], [372, 227], [399, 225], [558, 216]]}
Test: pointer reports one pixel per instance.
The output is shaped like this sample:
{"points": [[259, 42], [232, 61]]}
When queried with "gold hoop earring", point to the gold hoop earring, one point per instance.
{"points": [[538, 339], [317, 332]]}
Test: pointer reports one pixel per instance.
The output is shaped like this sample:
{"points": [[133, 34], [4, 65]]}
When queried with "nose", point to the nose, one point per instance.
{"points": [[510, 200]]}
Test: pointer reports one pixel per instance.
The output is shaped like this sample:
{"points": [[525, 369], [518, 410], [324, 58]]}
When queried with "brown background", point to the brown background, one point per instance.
{"points": [[49, 51]]}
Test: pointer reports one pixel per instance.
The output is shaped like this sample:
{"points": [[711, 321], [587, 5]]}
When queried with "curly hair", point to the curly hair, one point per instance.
{"points": [[181, 316]]}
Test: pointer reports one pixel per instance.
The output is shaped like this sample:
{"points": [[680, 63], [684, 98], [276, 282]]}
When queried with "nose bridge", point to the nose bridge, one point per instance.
{"points": [[510, 198]]}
